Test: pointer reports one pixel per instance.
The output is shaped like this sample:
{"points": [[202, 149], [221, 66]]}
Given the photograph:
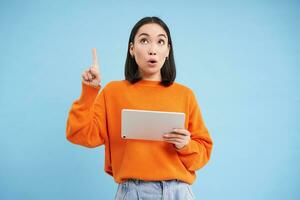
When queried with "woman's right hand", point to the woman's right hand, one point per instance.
{"points": [[91, 76]]}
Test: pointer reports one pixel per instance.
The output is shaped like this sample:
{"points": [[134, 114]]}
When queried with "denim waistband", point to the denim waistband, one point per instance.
{"points": [[162, 182], [161, 189]]}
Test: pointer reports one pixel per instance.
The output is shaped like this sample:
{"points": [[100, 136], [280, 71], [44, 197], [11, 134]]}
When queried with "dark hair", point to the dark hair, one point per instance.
{"points": [[168, 70]]}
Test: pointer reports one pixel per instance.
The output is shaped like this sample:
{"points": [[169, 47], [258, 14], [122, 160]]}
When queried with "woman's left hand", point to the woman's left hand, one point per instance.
{"points": [[179, 137]]}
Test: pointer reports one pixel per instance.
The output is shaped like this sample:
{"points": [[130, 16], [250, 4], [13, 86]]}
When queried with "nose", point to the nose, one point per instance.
{"points": [[152, 53], [152, 50]]}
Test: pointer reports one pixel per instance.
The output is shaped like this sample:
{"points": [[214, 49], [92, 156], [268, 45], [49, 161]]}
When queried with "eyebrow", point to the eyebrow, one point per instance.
{"points": [[149, 35]]}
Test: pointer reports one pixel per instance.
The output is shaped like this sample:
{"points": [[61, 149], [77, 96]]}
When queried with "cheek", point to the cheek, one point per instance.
{"points": [[140, 52], [140, 56], [163, 52]]}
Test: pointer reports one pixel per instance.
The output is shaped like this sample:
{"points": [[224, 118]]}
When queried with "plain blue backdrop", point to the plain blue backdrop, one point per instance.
{"points": [[241, 58]]}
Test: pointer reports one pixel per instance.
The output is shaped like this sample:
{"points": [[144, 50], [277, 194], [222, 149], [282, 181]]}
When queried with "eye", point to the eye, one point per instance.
{"points": [[144, 41], [161, 42]]}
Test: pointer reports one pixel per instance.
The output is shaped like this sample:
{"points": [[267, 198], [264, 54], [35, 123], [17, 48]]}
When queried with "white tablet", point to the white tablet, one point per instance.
{"points": [[148, 124]]}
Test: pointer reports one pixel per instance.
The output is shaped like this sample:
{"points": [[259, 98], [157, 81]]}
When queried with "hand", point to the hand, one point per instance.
{"points": [[91, 76], [179, 137]]}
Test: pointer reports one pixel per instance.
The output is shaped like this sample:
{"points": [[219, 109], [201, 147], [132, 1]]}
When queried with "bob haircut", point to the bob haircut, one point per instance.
{"points": [[168, 70]]}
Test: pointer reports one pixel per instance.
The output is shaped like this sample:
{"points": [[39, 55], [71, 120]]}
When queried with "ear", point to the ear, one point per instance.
{"points": [[169, 48], [131, 48]]}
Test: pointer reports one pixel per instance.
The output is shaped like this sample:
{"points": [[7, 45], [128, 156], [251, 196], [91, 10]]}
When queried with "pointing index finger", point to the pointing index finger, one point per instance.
{"points": [[95, 58]]}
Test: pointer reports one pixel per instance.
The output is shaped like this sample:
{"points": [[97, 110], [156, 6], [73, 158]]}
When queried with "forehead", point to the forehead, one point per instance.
{"points": [[151, 29]]}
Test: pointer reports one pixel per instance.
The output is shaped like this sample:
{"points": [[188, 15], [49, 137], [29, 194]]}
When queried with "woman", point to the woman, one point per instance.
{"points": [[143, 169]]}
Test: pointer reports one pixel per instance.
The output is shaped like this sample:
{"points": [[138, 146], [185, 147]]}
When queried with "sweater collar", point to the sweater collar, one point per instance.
{"points": [[148, 82]]}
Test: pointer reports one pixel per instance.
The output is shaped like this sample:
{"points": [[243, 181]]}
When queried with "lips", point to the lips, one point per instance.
{"points": [[152, 61]]}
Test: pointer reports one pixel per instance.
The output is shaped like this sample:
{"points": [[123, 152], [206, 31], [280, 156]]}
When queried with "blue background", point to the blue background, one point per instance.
{"points": [[241, 58]]}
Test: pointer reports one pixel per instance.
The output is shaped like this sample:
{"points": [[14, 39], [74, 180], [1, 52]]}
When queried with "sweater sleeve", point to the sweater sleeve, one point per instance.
{"points": [[86, 123], [197, 153]]}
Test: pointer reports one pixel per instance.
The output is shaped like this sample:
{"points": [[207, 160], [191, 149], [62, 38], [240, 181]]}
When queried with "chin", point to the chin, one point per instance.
{"points": [[152, 70]]}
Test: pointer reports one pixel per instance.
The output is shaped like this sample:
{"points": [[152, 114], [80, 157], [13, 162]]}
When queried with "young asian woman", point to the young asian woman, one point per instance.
{"points": [[143, 169]]}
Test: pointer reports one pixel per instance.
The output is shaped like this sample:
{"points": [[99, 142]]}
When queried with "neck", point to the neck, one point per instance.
{"points": [[154, 77]]}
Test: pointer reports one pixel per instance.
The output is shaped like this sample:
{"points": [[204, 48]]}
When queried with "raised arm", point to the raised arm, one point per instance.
{"points": [[86, 123]]}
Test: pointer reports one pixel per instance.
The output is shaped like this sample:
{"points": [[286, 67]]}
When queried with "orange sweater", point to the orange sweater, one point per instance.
{"points": [[95, 119]]}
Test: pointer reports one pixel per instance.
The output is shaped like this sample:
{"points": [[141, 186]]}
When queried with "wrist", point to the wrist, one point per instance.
{"points": [[92, 84]]}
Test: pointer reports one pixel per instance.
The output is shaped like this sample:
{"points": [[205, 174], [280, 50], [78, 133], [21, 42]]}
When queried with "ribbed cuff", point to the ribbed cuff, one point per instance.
{"points": [[88, 93], [186, 149]]}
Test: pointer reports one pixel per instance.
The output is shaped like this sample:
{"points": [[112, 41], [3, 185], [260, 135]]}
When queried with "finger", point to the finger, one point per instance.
{"points": [[176, 134], [95, 82], [95, 58], [93, 71], [182, 132], [175, 138], [177, 143], [179, 140], [84, 76], [90, 77]]}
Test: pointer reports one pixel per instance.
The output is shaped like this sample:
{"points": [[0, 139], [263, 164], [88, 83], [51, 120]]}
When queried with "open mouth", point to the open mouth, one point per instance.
{"points": [[152, 61]]}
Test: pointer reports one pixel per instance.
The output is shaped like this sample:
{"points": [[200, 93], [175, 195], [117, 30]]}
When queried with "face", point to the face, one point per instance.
{"points": [[150, 49]]}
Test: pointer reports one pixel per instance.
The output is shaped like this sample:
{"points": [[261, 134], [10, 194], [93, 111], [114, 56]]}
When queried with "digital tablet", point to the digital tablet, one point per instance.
{"points": [[149, 124]]}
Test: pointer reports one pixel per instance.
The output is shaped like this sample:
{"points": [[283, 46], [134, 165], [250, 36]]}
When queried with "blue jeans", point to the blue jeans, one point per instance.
{"points": [[133, 189]]}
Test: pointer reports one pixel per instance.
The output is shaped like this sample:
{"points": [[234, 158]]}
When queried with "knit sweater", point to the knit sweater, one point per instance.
{"points": [[95, 119]]}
